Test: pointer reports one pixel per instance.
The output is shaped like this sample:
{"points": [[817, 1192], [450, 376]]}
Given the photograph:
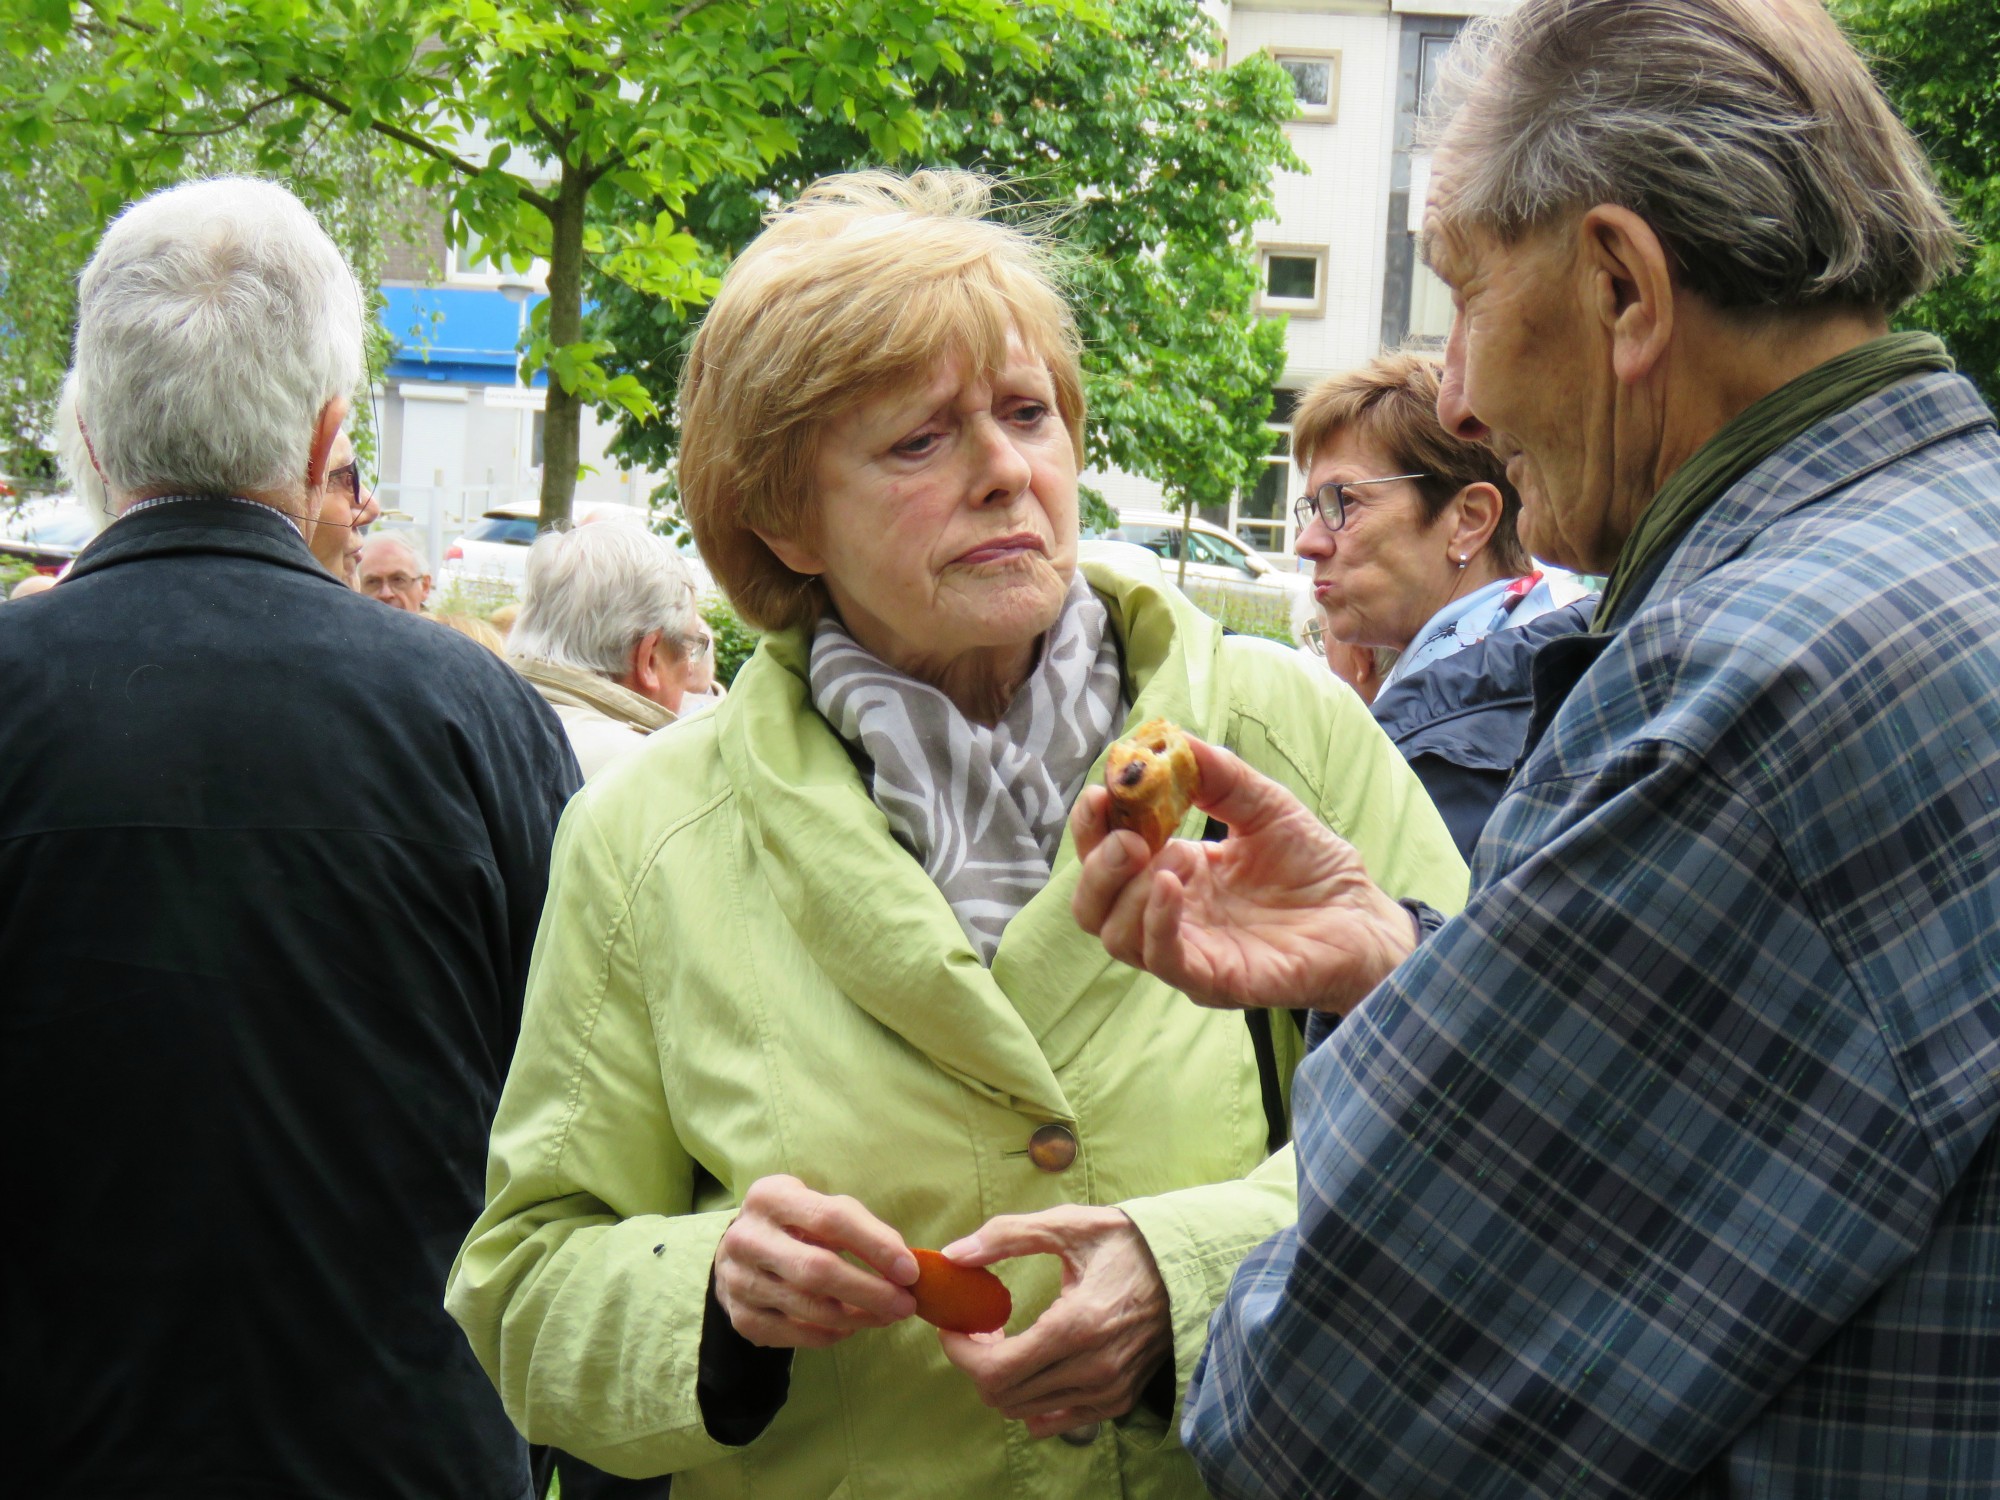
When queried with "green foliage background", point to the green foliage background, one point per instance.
{"points": [[1150, 161], [1939, 61], [538, 125], [735, 642], [57, 196]]}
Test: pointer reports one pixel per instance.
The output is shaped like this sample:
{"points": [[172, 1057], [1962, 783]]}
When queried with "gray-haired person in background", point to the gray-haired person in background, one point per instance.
{"points": [[1668, 1167], [271, 860], [392, 569], [608, 634]]}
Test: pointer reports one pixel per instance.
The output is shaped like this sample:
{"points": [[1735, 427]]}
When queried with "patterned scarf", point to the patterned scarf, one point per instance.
{"points": [[982, 809]]}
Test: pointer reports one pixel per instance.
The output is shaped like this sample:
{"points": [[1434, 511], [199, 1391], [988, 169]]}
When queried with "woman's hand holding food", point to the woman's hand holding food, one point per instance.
{"points": [[781, 1276], [1281, 913], [1086, 1358]]}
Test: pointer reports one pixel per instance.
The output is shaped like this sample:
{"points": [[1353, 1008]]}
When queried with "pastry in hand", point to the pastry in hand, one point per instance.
{"points": [[964, 1299], [1152, 778]]}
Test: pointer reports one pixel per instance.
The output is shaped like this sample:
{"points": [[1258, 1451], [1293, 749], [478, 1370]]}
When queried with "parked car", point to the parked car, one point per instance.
{"points": [[1225, 575], [489, 561], [47, 532], [1132, 561]]}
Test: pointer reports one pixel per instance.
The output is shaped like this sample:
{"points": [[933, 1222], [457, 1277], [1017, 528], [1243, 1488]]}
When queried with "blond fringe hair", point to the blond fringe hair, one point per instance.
{"points": [[860, 288]]}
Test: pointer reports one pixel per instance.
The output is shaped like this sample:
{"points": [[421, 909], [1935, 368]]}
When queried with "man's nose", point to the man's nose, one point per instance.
{"points": [[1454, 411]]}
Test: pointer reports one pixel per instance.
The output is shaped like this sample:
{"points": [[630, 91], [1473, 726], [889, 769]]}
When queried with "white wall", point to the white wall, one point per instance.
{"points": [[452, 452], [1339, 202]]}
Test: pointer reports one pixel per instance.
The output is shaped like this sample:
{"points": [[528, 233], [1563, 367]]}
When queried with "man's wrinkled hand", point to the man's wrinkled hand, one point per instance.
{"points": [[1281, 913], [1086, 1358]]}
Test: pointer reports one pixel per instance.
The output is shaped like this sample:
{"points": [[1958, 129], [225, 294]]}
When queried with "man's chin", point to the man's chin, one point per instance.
{"points": [[1541, 542]]}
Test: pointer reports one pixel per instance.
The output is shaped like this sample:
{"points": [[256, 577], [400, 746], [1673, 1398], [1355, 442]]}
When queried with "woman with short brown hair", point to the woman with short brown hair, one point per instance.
{"points": [[1410, 530]]}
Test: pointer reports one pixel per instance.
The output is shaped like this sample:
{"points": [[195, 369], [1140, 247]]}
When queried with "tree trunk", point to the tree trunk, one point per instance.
{"points": [[1187, 541], [562, 416]]}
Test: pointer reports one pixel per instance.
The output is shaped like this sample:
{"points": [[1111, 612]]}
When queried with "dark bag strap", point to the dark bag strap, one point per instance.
{"points": [[1277, 1126]]}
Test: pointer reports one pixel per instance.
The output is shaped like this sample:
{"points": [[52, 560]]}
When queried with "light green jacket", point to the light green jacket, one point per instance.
{"points": [[741, 973]]}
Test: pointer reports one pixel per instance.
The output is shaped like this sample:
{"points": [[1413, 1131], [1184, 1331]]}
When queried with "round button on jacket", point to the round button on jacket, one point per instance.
{"points": [[1080, 1437], [1052, 1148]]}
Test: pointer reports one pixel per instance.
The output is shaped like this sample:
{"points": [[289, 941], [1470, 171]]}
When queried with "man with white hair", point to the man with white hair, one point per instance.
{"points": [[271, 860], [608, 634], [394, 571], [1669, 1166]]}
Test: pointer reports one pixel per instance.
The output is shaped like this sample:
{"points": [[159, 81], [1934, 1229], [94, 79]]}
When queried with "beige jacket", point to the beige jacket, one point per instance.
{"points": [[603, 720]]}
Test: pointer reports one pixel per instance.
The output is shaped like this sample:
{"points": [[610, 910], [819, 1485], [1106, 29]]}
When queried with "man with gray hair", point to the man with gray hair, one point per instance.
{"points": [[1668, 1166], [608, 634], [271, 860], [393, 570]]}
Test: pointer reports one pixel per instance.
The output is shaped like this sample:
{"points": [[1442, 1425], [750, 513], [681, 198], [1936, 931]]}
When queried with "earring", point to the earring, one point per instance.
{"points": [[1462, 561]]}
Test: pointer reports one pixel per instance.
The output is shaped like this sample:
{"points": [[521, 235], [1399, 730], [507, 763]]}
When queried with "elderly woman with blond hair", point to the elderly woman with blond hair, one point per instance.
{"points": [[809, 993]]}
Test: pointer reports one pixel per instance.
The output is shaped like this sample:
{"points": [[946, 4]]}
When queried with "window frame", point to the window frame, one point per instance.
{"points": [[1313, 114], [1298, 307]]}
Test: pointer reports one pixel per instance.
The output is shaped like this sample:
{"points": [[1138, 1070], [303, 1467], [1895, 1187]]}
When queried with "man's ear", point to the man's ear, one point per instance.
{"points": [[1631, 288], [326, 428], [642, 674], [794, 555]]}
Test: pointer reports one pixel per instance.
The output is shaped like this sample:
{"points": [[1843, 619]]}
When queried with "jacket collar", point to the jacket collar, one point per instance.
{"points": [[575, 689], [874, 922], [1870, 435], [208, 524]]}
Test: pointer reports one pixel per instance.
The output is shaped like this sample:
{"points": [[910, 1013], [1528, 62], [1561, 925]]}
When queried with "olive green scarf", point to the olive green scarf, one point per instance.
{"points": [[1749, 438]]}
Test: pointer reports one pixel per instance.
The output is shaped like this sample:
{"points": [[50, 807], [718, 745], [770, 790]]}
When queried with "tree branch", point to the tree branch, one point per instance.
{"points": [[417, 143], [242, 120], [559, 139]]}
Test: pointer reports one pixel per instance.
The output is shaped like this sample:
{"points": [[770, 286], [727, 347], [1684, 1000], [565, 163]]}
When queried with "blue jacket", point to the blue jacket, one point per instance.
{"points": [[1669, 1166], [1461, 722]]}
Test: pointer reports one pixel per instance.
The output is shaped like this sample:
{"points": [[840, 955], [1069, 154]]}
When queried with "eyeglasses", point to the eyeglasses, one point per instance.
{"points": [[1315, 634], [397, 581], [697, 646], [1314, 507], [347, 480]]}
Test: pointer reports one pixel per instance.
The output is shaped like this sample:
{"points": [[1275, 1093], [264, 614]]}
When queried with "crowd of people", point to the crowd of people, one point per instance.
{"points": [[431, 1042]]}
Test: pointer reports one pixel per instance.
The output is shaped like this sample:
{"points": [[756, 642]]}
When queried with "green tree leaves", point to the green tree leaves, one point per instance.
{"points": [[536, 123], [1937, 61], [1155, 164]]}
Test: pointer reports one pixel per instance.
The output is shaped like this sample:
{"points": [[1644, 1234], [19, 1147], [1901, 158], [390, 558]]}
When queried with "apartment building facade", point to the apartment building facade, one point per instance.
{"points": [[459, 432], [1338, 262]]}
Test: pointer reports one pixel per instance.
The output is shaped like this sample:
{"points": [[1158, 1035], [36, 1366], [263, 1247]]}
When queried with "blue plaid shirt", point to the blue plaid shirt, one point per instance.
{"points": [[1669, 1167]]}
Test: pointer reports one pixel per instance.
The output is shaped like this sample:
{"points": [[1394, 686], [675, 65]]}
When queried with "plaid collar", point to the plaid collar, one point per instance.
{"points": [[1871, 434]]}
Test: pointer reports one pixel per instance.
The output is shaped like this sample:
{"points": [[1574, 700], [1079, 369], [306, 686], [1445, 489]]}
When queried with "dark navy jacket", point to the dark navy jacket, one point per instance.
{"points": [[271, 859], [1461, 722]]}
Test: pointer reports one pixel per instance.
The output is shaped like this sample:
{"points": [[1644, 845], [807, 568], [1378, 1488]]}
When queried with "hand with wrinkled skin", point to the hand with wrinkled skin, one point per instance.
{"points": [[1280, 914], [1089, 1355], [780, 1275]]}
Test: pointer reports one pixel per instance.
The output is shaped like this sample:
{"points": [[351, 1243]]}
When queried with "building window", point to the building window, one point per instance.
{"points": [[1294, 280], [1430, 305], [472, 263], [1264, 511], [1431, 53], [1315, 79]]}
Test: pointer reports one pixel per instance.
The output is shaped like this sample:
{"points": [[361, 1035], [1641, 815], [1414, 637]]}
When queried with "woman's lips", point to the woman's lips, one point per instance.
{"points": [[1000, 549]]}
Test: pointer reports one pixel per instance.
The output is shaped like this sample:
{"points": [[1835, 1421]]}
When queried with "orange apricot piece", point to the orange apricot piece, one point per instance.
{"points": [[964, 1299]]}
